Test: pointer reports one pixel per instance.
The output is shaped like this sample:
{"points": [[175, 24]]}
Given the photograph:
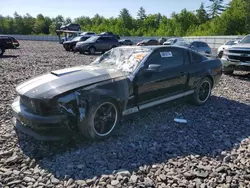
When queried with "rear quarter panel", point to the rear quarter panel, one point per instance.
{"points": [[211, 68]]}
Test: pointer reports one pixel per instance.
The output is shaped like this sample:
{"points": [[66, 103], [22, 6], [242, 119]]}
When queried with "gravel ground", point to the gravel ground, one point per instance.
{"points": [[149, 149]]}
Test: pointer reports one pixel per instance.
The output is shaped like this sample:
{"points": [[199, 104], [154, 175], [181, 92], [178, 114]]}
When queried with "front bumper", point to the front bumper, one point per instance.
{"points": [[53, 127], [233, 65]]}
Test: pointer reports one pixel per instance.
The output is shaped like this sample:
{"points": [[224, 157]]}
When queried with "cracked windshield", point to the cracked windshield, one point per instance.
{"points": [[124, 59]]}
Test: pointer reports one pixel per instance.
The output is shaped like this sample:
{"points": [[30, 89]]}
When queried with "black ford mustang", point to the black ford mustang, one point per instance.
{"points": [[91, 99]]}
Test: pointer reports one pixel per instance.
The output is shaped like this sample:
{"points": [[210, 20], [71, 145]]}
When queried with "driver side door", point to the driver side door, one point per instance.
{"points": [[168, 77], [101, 44]]}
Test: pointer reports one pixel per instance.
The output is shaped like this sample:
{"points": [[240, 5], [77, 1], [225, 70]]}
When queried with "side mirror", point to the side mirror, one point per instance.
{"points": [[153, 68]]}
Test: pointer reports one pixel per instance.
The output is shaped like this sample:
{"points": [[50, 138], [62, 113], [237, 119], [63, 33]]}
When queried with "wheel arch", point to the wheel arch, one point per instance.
{"points": [[103, 94], [91, 46], [210, 77]]}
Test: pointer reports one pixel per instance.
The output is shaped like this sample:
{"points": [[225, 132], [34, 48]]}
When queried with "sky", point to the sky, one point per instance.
{"points": [[106, 8]]}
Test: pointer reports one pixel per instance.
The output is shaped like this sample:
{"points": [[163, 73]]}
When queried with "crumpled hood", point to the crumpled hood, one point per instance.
{"points": [[57, 82]]}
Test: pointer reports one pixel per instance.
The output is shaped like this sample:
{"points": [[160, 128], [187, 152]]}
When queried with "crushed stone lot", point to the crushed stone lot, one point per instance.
{"points": [[148, 150]]}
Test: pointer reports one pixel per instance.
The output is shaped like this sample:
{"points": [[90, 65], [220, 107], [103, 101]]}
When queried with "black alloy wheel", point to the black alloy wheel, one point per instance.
{"points": [[105, 119]]}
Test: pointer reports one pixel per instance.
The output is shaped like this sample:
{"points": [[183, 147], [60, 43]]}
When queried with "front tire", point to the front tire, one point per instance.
{"points": [[103, 117], [220, 54], [228, 72], [2, 50], [202, 91]]}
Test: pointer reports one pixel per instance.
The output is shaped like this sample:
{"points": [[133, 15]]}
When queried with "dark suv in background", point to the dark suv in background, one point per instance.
{"points": [[148, 42], [97, 44], [109, 34], [7, 42], [70, 45], [71, 27]]}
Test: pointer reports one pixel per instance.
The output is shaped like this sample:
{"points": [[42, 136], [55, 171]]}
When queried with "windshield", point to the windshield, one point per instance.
{"points": [[230, 43], [246, 40], [124, 59], [92, 39], [76, 38]]}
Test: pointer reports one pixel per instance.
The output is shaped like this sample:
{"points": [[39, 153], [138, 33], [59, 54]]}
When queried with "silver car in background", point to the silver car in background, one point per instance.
{"points": [[172, 41]]}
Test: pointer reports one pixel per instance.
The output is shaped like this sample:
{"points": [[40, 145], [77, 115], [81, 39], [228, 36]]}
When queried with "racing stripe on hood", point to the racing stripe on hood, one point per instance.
{"points": [[33, 83], [58, 82]]}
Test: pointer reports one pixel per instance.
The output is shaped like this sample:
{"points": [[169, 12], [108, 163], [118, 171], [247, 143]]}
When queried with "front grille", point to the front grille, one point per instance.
{"points": [[240, 51], [239, 58]]}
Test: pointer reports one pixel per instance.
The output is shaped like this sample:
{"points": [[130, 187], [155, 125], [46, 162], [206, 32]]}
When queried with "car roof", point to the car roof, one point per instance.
{"points": [[106, 36], [198, 41], [5, 36]]}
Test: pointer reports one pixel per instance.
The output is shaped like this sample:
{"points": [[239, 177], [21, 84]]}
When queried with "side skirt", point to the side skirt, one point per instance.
{"points": [[156, 102]]}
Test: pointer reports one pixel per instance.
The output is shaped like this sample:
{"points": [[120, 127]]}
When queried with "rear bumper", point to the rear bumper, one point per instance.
{"points": [[53, 127], [231, 65]]}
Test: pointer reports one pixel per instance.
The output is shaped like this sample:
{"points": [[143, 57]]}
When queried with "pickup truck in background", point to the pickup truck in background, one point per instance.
{"points": [[237, 57]]}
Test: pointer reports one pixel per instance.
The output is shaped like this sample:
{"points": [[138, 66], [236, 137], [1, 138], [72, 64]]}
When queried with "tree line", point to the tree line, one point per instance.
{"points": [[216, 19]]}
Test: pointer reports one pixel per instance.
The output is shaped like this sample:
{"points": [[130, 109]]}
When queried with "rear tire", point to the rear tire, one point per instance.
{"points": [[2, 50], [102, 119], [92, 50], [202, 92]]}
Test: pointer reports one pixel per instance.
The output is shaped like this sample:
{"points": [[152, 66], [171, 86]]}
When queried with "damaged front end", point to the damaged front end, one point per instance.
{"points": [[51, 119], [74, 105]]}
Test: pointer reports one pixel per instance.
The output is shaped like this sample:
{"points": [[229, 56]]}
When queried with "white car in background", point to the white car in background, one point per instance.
{"points": [[226, 46], [172, 41]]}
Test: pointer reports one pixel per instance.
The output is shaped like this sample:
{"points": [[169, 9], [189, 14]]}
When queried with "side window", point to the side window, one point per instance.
{"points": [[155, 42], [106, 39], [196, 57], [84, 38], [150, 42], [204, 45], [168, 58], [195, 44], [101, 39]]}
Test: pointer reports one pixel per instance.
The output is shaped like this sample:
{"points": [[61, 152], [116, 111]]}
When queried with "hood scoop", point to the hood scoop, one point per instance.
{"points": [[67, 71]]}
